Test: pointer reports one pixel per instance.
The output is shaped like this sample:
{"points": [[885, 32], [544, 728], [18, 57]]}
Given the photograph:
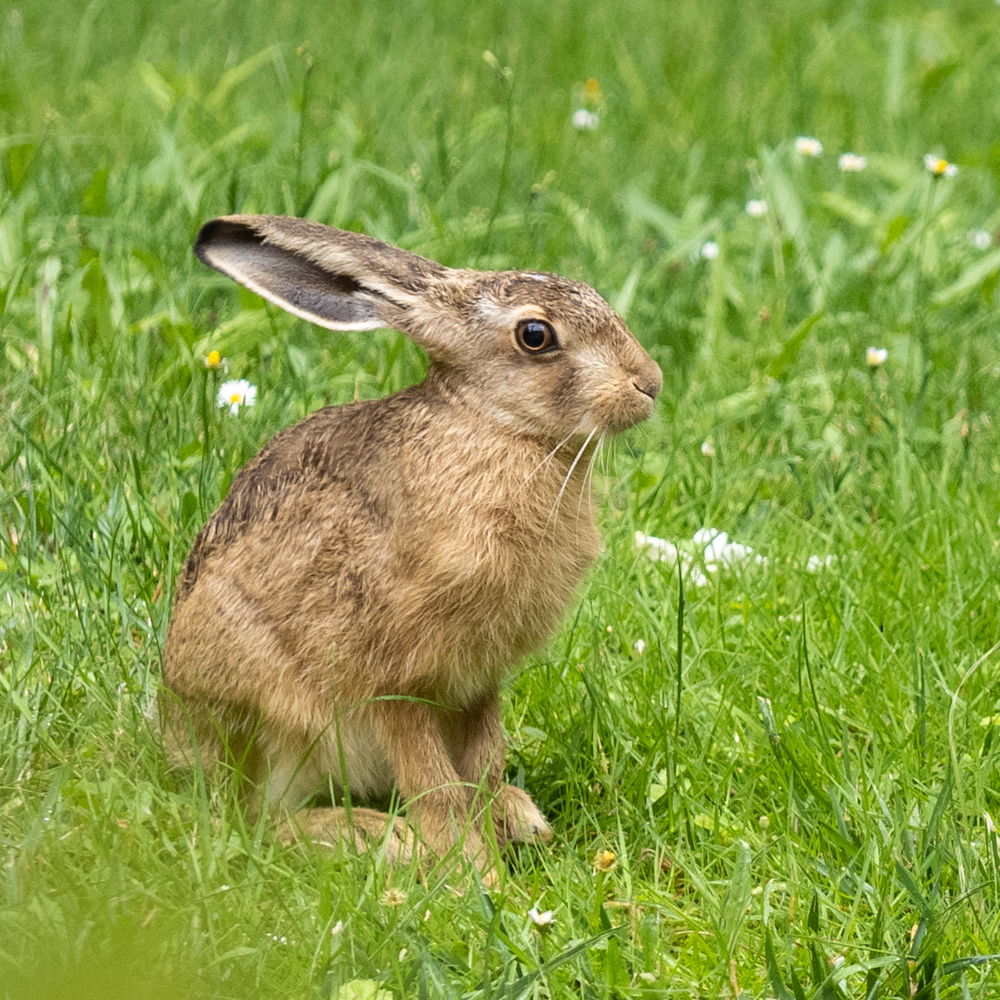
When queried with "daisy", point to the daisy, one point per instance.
{"points": [[756, 208], [236, 393], [939, 167], [806, 145], [544, 919], [876, 356], [851, 163]]}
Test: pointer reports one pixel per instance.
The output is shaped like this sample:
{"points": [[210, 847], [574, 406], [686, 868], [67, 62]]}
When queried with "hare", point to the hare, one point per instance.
{"points": [[349, 611]]}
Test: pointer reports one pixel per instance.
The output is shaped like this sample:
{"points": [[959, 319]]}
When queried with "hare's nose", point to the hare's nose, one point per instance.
{"points": [[650, 382]]}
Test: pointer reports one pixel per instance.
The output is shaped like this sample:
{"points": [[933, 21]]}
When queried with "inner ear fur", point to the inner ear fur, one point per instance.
{"points": [[331, 277]]}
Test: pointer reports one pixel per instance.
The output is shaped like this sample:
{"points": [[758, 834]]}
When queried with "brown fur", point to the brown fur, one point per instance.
{"points": [[354, 603]]}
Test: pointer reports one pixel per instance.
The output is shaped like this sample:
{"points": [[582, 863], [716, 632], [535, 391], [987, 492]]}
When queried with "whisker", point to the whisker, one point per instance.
{"points": [[548, 458], [555, 507], [588, 479]]}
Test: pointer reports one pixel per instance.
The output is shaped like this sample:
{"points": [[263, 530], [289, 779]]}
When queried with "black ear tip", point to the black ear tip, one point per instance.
{"points": [[220, 231]]}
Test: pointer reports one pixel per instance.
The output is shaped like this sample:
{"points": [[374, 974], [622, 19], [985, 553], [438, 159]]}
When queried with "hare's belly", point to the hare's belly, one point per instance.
{"points": [[357, 753]]}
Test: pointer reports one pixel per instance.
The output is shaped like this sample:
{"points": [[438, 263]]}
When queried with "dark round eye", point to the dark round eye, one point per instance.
{"points": [[535, 336]]}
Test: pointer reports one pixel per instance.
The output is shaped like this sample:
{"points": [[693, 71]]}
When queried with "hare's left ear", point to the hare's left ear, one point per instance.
{"points": [[331, 277]]}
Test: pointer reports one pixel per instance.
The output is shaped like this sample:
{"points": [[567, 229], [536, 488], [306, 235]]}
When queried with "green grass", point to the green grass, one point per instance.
{"points": [[801, 787]]}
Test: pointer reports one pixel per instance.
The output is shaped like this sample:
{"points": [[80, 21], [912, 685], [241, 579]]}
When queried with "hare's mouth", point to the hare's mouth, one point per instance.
{"points": [[649, 391]]}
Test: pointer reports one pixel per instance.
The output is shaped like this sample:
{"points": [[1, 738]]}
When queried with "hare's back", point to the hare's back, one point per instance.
{"points": [[317, 483]]}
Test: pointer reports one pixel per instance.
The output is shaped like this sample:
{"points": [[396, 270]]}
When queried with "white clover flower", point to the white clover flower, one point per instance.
{"points": [[876, 356], [236, 393], [806, 145], [756, 208], [851, 163], [544, 919], [584, 119], [979, 238], [709, 250], [939, 167], [707, 448]]}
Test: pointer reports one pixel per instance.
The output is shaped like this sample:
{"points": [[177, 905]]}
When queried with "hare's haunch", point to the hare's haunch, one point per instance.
{"points": [[352, 606]]}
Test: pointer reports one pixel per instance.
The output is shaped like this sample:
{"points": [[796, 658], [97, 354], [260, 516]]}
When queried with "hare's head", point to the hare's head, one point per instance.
{"points": [[540, 354]]}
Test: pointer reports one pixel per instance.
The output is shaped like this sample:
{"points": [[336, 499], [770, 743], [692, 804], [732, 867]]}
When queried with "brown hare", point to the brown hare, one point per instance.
{"points": [[351, 608]]}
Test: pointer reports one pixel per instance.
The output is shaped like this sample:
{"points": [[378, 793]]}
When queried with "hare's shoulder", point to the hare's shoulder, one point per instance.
{"points": [[329, 446]]}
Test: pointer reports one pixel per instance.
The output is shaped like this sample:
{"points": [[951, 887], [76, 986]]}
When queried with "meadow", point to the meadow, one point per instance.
{"points": [[771, 759]]}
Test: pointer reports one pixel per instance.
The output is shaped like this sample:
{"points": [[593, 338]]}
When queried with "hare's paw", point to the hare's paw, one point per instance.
{"points": [[522, 819], [366, 830]]}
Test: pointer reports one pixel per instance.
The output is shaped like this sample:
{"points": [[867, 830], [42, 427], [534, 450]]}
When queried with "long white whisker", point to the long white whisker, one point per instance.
{"points": [[562, 490], [548, 458], [588, 479]]}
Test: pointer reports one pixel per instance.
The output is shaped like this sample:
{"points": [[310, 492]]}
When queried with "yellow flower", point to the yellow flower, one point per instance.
{"points": [[214, 360], [592, 89], [605, 861]]}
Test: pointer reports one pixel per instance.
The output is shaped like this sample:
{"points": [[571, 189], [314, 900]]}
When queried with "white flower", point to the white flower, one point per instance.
{"points": [[718, 550], [939, 167], [979, 238], [707, 448], [660, 550], [876, 356], [816, 563], [582, 118], [710, 250], [336, 928], [543, 919], [851, 163], [236, 393], [756, 208], [806, 145], [640, 646]]}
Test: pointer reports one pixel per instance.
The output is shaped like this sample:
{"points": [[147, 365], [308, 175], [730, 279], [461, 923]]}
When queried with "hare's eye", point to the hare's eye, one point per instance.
{"points": [[536, 336]]}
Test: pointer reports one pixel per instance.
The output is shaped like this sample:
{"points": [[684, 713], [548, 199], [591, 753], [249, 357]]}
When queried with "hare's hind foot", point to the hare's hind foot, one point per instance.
{"points": [[363, 829], [522, 819]]}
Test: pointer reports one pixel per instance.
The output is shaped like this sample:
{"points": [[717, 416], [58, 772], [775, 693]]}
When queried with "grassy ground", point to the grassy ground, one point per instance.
{"points": [[797, 762]]}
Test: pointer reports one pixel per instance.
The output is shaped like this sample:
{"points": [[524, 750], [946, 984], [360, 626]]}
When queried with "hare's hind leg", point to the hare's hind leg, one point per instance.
{"points": [[477, 736], [362, 829]]}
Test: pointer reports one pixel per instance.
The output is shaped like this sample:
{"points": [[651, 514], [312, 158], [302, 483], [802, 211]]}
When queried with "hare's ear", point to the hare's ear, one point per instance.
{"points": [[337, 279]]}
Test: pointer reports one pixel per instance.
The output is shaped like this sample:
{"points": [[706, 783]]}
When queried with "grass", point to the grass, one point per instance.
{"points": [[798, 768]]}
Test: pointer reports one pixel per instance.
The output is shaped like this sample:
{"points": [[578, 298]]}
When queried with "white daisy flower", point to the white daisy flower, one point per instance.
{"points": [[236, 393], [709, 250], [876, 356], [584, 119], [939, 166], [979, 238], [544, 919], [851, 163], [707, 448], [806, 145], [756, 208]]}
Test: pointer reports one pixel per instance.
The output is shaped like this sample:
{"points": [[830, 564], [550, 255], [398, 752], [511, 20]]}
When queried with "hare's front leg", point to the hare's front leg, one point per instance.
{"points": [[477, 735], [410, 736]]}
